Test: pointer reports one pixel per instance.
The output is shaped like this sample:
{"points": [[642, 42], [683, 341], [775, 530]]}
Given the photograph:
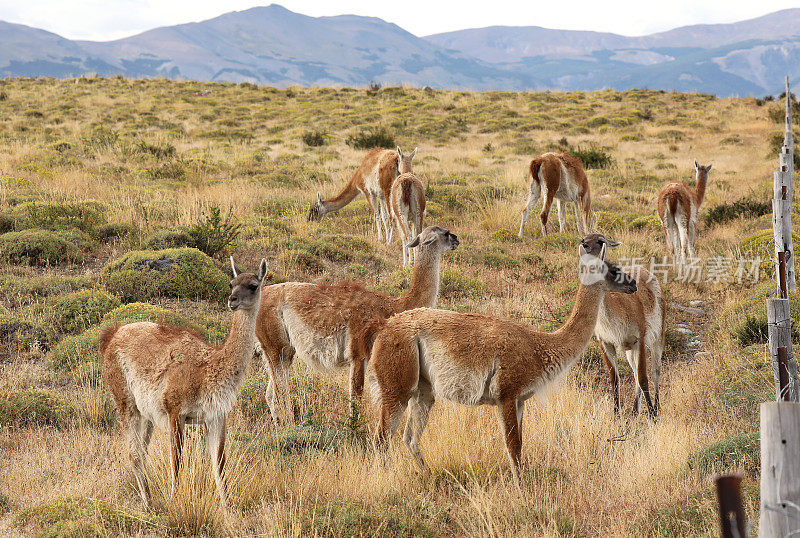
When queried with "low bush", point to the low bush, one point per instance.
{"points": [[761, 244], [314, 138], [455, 285], [77, 311], [371, 138], [645, 222], [175, 237], [87, 215], [35, 407], [180, 272], [24, 291], [743, 208], [593, 157], [739, 451], [21, 336], [36, 246], [213, 233]]}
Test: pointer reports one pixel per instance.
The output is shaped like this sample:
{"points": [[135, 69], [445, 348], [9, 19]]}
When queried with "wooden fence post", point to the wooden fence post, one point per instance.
{"points": [[778, 315], [780, 469]]}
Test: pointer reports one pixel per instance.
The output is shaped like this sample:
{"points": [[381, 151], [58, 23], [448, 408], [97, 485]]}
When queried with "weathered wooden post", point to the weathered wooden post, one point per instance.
{"points": [[780, 471], [780, 421], [778, 318]]}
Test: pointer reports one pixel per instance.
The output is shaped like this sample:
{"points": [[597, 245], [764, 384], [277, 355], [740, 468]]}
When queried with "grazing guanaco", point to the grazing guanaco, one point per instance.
{"points": [[408, 207], [631, 324], [559, 177], [165, 376], [373, 179], [678, 205], [475, 359], [321, 323]]}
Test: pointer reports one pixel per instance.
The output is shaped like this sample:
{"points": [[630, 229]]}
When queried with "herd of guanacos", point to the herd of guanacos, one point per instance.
{"points": [[409, 351]]}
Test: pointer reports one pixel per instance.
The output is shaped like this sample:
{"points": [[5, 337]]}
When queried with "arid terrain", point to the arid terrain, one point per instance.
{"points": [[94, 169]]}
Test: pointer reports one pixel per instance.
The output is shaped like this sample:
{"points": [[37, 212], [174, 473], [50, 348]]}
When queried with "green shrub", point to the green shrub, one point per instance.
{"points": [[504, 235], [761, 244], [741, 450], [87, 215], [214, 234], [43, 247], [671, 135], [645, 222], [159, 151], [116, 230], [454, 285], [593, 157], [746, 321], [742, 208], [76, 311], [23, 291], [371, 138], [20, 336], [176, 237], [314, 138], [179, 272], [776, 144], [77, 354], [35, 407]]}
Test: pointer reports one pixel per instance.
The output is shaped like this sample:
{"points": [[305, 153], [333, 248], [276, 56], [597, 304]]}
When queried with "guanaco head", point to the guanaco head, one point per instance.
{"points": [[595, 271], [246, 287], [435, 237], [317, 209], [701, 170], [404, 161], [593, 244]]}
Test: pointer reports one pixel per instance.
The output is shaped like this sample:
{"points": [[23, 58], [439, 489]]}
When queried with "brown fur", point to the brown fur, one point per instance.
{"points": [[678, 206], [407, 199], [346, 307], [390, 165], [162, 375], [545, 176], [475, 359], [634, 312]]}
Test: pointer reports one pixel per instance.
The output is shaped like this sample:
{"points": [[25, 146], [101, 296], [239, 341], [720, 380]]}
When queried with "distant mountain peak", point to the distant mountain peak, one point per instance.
{"points": [[274, 45]]}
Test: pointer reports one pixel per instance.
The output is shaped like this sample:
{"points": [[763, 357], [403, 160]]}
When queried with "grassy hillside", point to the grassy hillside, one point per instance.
{"points": [[94, 169]]}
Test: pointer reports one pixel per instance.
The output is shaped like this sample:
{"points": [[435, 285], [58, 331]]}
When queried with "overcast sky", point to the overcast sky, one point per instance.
{"points": [[113, 19]]}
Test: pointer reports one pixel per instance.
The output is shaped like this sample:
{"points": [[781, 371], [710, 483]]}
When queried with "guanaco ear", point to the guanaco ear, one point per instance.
{"points": [[709, 167], [233, 268], [429, 241], [611, 243], [414, 243], [582, 251], [319, 198], [603, 252], [262, 269], [413, 153], [400, 152], [695, 164]]}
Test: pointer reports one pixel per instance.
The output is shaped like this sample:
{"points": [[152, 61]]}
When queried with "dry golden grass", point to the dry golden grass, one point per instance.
{"points": [[587, 473]]}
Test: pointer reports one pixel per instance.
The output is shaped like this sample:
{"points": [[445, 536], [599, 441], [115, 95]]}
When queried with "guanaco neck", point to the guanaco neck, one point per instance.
{"points": [[236, 352], [574, 335], [700, 187], [344, 197], [424, 288]]}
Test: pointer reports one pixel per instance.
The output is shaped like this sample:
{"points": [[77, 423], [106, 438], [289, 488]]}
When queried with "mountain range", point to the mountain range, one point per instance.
{"points": [[272, 45]]}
